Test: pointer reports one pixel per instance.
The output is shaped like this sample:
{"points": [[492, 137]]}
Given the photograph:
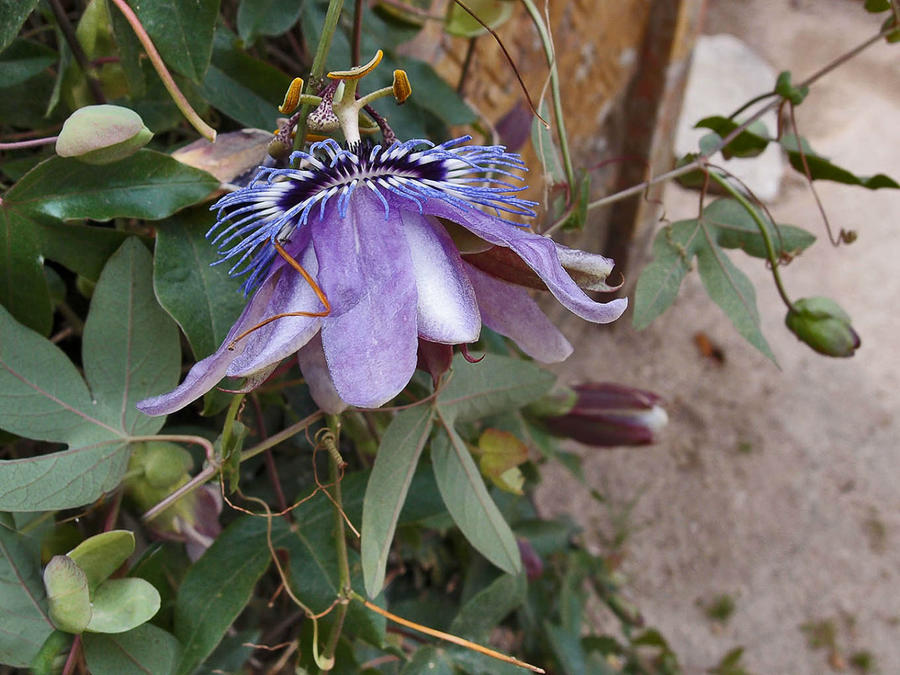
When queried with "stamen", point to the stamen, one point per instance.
{"points": [[401, 87], [309, 280], [291, 97], [358, 71]]}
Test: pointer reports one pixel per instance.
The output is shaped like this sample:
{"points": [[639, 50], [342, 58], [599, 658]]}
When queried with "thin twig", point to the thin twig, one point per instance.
{"points": [[809, 179], [33, 143], [763, 230], [210, 470], [441, 635], [340, 540], [80, 57], [508, 57], [556, 96], [467, 63], [271, 468], [72, 658], [702, 159]]}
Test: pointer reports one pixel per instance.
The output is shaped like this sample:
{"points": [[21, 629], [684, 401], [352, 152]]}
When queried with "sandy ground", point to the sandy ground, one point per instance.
{"points": [[776, 487]]}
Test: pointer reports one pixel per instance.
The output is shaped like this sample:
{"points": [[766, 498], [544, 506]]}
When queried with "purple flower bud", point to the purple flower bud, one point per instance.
{"points": [[434, 358], [534, 566], [609, 415]]}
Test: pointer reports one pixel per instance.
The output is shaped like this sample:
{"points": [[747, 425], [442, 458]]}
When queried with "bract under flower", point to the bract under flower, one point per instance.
{"points": [[366, 223]]}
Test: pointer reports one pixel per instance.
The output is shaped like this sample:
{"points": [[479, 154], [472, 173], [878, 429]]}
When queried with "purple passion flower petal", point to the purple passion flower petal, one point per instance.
{"points": [[370, 344], [447, 309], [510, 310], [540, 254], [282, 337]]}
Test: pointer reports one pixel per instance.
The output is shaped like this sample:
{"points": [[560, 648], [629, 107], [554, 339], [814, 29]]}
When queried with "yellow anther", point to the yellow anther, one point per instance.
{"points": [[402, 88], [292, 97], [358, 71]]}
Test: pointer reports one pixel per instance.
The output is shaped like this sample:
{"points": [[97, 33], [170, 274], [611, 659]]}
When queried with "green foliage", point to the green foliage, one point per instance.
{"points": [[24, 619], [386, 491], [181, 31], [258, 18], [750, 142], [820, 168], [218, 587], [22, 60], [242, 87], [45, 398], [724, 224], [12, 15], [202, 299], [146, 648]]}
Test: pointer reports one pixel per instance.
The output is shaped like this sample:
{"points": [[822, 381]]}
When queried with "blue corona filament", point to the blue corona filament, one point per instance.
{"points": [[279, 202]]}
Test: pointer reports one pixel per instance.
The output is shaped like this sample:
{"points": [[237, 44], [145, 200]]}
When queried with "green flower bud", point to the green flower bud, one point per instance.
{"points": [[68, 597], [824, 326], [102, 134], [557, 402]]}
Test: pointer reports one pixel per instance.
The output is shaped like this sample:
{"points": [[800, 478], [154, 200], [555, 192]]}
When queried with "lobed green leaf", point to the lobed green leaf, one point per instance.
{"points": [[130, 352], [733, 292], [131, 347]]}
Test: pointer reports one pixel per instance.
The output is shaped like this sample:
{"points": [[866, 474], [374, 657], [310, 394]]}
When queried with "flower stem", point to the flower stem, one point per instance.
{"points": [[230, 416], [547, 42], [763, 230], [72, 658], [34, 142], [340, 541], [317, 70], [168, 82]]}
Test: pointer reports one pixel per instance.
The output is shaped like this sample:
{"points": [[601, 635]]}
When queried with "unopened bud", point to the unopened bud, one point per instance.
{"points": [[101, 134], [824, 326], [531, 561], [434, 359], [68, 595], [609, 415], [157, 469]]}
